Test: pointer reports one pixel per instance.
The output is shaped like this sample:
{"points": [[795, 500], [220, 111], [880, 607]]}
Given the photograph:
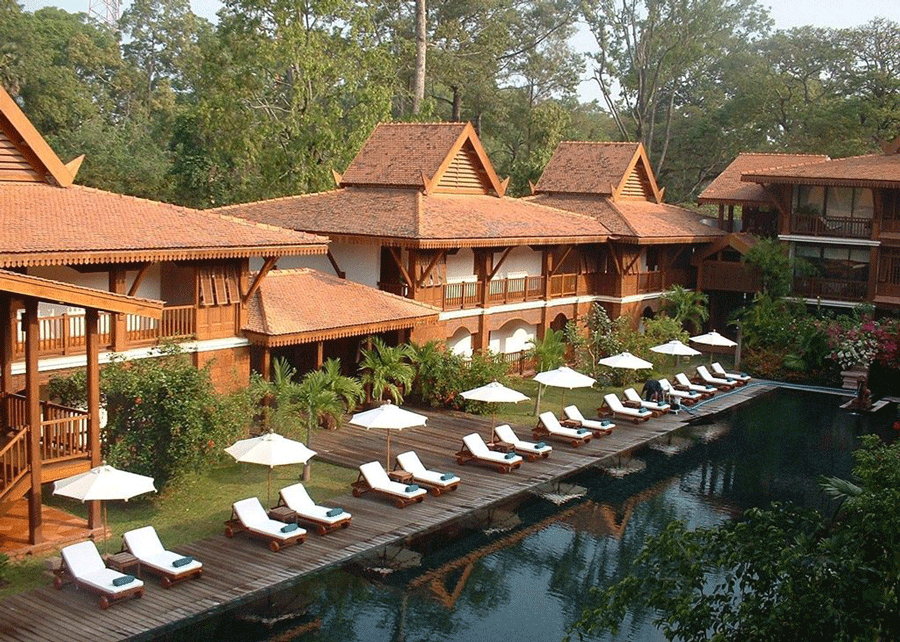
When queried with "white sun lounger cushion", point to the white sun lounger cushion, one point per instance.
{"points": [[85, 564], [507, 436], [298, 500], [682, 380], [574, 414], [632, 395], [551, 423], [615, 405], [685, 394], [479, 449], [253, 516], [374, 474], [719, 370], [144, 544], [704, 374], [410, 462]]}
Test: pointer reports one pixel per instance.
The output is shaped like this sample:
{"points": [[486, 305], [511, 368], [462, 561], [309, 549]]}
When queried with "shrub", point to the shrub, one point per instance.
{"points": [[441, 375]]}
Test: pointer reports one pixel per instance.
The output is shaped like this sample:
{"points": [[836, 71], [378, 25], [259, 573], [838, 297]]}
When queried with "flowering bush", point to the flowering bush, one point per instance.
{"points": [[864, 343]]}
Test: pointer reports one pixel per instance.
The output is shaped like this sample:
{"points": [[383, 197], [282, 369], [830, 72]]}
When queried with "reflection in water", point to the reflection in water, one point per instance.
{"points": [[533, 581]]}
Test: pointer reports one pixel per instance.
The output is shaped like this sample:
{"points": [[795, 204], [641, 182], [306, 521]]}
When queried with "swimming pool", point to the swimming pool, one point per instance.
{"points": [[529, 576]]}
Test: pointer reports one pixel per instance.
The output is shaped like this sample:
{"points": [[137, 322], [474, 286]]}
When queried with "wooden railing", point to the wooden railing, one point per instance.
{"points": [[563, 285], [459, 296], [526, 288], [517, 362], [467, 295], [835, 289], [65, 333], [13, 461], [843, 227]]}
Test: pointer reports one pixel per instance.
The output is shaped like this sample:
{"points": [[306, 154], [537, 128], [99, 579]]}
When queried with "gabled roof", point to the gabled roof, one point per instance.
{"points": [[329, 308], [45, 225], [740, 242], [407, 217], [616, 170], [875, 170], [418, 155], [636, 221], [728, 188], [24, 154]]}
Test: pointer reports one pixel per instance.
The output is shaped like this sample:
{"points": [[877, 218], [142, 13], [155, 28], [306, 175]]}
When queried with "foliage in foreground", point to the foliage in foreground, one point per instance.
{"points": [[777, 574], [165, 418], [441, 375]]}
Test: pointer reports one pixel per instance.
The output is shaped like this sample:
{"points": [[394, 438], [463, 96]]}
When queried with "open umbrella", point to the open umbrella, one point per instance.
{"points": [[270, 449], [104, 483], [388, 417], [565, 378], [494, 392], [714, 339], [676, 348], [625, 360]]}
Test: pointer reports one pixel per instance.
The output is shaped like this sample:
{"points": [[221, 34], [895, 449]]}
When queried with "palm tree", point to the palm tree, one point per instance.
{"points": [[686, 306], [547, 353], [278, 397], [349, 390], [386, 370], [317, 403]]}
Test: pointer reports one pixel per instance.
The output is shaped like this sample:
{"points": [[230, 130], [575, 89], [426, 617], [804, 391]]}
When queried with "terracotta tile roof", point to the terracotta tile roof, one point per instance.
{"points": [[875, 170], [329, 308], [45, 225], [727, 187], [586, 167], [635, 219], [397, 154], [439, 220]]}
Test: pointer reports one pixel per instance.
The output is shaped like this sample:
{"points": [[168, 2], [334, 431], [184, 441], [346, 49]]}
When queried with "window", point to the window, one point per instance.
{"points": [[219, 285], [834, 262], [835, 202], [890, 203], [889, 266]]}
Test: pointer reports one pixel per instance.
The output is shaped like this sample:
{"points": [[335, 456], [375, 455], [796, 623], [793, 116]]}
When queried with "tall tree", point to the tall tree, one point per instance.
{"points": [[421, 50]]}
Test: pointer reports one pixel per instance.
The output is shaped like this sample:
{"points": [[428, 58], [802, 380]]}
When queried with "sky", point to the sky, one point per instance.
{"points": [[785, 13]]}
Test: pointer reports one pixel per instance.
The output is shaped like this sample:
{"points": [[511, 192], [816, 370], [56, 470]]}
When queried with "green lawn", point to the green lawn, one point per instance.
{"points": [[191, 508]]}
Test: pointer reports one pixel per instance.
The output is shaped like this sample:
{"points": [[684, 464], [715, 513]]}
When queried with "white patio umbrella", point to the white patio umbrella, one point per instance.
{"points": [[625, 360], [270, 449], [494, 392], [676, 348], [388, 417], [104, 483], [564, 377], [715, 339]]}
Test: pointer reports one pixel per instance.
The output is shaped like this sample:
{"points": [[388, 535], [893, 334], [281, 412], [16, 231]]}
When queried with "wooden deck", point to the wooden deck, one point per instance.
{"points": [[239, 570]]}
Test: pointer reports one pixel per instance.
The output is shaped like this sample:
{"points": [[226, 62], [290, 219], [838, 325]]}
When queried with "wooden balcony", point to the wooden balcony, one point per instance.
{"points": [[833, 289], [468, 295], [843, 227], [64, 334], [728, 276]]}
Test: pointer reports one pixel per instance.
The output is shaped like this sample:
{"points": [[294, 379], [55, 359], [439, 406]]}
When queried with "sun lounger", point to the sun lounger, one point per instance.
{"points": [[436, 482], [599, 427], [529, 450], [684, 383], [684, 397], [549, 428], [249, 515], [82, 564], [632, 398], [172, 568], [618, 410], [372, 478], [474, 449], [322, 518], [721, 384], [741, 378]]}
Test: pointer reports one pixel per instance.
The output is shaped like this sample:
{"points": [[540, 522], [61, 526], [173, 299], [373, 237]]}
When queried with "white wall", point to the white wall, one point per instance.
{"points": [[513, 336], [461, 266], [362, 263], [149, 288], [461, 343], [522, 261]]}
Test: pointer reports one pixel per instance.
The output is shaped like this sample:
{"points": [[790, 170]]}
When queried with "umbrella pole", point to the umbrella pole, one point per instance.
{"points": [[388, 465], [562, 407], [269, 489]]}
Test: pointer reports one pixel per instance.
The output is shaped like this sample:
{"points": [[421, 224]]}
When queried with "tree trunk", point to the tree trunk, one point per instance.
{"points": [[457, 105], [421, 44]]}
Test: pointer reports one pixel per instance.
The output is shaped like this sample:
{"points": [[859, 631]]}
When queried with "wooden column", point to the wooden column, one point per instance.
{"points": [[721, 216], [731, 218], [266, 363], [320, 354], [33, 419], [92, 349], [6, 357], [483, 338], [117, 328]]}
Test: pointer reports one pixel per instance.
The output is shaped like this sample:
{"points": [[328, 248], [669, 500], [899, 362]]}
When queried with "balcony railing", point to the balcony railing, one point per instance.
{"points": [[65, 333], [842, 227], [834, 289]]}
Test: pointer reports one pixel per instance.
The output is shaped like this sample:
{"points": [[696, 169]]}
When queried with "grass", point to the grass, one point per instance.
{"points": [[191, 508]]}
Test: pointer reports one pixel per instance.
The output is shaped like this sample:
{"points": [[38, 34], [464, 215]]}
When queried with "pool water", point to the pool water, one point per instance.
{"points": [[524, 573]]}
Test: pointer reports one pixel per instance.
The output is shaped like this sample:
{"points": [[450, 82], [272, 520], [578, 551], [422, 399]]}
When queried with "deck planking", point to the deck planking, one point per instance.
{"points": [[241, 570]]}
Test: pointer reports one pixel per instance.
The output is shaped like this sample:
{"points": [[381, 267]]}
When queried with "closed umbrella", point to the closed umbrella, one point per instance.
{"points": [[494, 392], [564, 377], [104, 483], [270, 449], [625, 360], [388, 417]]}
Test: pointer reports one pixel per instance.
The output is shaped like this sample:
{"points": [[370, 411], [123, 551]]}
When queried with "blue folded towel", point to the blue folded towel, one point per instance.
{"points": [[123, 580], [287, 528], [412, 488], [540, 445], [184, 561], [334, 512], [447, 476], [606, 422], [582, 431], [509, 455]]}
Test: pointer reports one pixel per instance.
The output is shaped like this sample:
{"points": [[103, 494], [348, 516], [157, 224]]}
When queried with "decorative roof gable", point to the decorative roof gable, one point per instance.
{"points": [[464, 174], [638, 183], [24, 154]]}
